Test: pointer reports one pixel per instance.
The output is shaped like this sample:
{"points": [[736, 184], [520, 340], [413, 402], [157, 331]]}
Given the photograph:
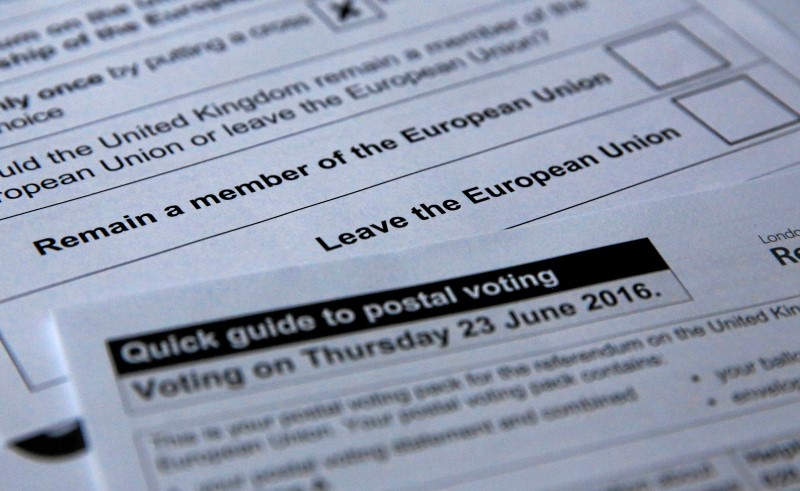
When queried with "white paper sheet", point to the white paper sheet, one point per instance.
{"points": [[650, 346]]}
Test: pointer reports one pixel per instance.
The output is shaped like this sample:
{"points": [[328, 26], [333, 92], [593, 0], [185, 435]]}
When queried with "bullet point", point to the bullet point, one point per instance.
{"points": [[712, 402], [696, 378]]}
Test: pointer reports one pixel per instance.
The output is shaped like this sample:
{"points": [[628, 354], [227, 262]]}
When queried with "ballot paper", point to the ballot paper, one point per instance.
{"points": [[649, 346], [147, 144]]}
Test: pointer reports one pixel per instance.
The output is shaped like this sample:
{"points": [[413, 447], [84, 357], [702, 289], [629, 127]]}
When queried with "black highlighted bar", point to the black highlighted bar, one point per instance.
{"points": [[338, 317]]}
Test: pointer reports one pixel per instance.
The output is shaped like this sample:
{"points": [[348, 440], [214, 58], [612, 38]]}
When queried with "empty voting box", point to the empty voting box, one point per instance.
{"points": [[737, 109], [667, 56]]}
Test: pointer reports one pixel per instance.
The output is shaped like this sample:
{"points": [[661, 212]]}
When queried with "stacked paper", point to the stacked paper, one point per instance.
{"points": [[265, 245]]}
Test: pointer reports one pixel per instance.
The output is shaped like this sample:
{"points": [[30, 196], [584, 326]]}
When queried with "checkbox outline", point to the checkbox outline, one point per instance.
{"points": [[379, 15], [739, 78], [723, 63]]}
